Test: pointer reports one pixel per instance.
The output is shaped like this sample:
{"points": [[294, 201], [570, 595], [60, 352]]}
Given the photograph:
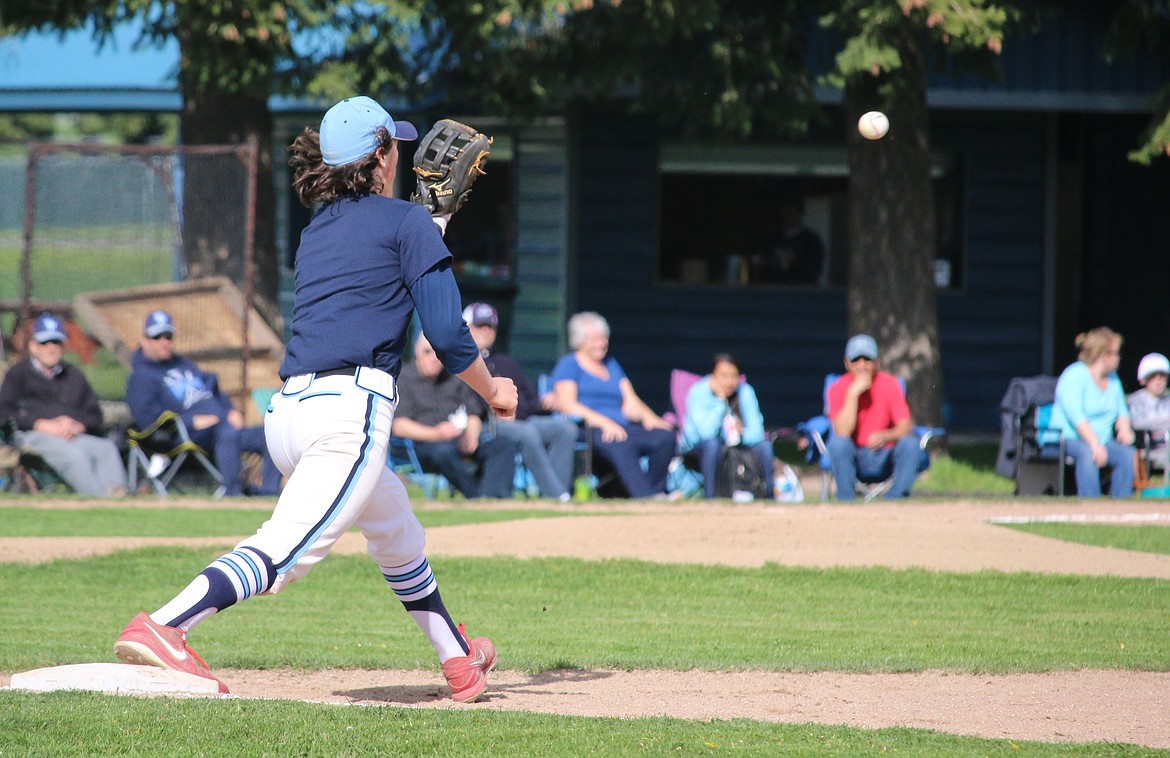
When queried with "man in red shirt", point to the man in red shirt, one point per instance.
{"points": [[872, 428]]}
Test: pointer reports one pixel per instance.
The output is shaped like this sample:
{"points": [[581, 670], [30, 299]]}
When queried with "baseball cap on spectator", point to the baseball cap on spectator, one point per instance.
{"points": [[1154, 363], [861, 346], [158, 322], [481, 314], [348, 130], [47, 328]]}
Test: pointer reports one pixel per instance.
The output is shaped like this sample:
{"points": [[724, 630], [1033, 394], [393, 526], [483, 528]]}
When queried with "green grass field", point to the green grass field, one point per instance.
{"points": [[554, 613]]}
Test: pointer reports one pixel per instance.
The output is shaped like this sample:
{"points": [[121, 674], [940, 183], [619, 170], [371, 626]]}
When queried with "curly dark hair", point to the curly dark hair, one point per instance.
{"points": [[316, 181]]}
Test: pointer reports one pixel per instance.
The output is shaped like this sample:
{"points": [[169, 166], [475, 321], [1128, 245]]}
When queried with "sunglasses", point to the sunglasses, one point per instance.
{"points": [[163, 336], [861, 358]]}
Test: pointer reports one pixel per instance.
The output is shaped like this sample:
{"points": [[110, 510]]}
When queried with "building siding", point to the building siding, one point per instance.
{"points": [[787, 340], [536, 337]]}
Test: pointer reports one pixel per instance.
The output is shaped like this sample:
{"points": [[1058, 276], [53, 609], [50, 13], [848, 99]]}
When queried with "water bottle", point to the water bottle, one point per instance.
{"points": [[584, 487], [730, 432]]}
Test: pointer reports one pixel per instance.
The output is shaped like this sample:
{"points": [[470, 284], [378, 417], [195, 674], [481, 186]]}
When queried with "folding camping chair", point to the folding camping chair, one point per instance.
{"points": [[1030, 453], [684, 474], [1042, 464], [583, 451], [23, 469], [402, 459], [1152, 446], [160, 451], [817, 431]]}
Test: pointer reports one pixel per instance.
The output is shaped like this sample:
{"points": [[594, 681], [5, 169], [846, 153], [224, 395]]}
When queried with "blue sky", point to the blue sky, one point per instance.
{"points": [[42, 61]]}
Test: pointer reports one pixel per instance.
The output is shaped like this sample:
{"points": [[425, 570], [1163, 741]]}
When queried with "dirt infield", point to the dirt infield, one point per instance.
{"points": [[1075, 706]]}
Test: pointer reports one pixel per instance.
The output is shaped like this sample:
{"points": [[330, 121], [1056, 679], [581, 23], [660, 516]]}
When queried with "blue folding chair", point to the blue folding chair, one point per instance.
{"points": [[817, 430], [584, 447], [402, 459], [1041, 459]]}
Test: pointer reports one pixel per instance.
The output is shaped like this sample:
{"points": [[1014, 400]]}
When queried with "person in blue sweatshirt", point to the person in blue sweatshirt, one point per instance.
{"points": [[162, 381]]}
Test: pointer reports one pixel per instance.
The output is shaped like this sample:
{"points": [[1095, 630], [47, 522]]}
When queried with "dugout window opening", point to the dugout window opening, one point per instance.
{"points": [[705, 238]]}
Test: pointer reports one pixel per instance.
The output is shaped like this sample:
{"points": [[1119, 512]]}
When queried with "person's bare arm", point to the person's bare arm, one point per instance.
{"points": [[497, 391], [566, 395], [883, 437], [409, 429], [636, 410], [1089, 437], [845, 422], [1123, 429]]}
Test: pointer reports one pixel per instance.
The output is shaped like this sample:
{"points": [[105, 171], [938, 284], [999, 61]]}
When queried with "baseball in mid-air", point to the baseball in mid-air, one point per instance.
{"points": [[873, 125]]}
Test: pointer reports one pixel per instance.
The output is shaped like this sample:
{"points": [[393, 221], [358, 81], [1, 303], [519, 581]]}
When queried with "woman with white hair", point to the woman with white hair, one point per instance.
{"points": [[592, 386]]}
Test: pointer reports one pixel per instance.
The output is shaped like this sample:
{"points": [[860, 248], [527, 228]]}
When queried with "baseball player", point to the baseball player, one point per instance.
{"points": [[366, 261]]}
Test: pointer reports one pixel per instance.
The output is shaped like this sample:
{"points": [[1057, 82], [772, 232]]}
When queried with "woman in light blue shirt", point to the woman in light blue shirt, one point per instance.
{"points": [[1091, 412], [723, 411]]}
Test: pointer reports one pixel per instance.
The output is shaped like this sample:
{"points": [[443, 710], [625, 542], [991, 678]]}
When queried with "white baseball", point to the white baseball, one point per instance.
{"points": [[873, 125]]}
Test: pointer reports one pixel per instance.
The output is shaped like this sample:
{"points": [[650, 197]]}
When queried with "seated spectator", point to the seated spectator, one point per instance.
{"points": [[1092, 413], [444, 417], [795, 254], [592, 386], [1149, 407], [160, 380], [59, 414], [546, 442], [723, 411], [873, 433]]}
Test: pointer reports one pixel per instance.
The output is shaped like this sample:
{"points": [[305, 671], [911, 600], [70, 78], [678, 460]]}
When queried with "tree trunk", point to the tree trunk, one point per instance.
{"points": [[892, 229], [211, 246]]}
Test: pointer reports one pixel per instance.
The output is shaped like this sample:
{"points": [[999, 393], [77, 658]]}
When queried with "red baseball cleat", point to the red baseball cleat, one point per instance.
{"points": [[146, 643], [467, 674]]}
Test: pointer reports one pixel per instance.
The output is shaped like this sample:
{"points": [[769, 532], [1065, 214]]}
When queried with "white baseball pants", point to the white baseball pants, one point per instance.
{"points": [[329, 437]]}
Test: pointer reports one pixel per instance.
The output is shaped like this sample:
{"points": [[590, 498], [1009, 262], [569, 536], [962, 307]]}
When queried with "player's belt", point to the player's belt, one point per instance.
{"points": [[347, 371], [369, 379]]}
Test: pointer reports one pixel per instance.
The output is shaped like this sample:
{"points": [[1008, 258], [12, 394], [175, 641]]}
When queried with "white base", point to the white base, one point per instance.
{"points": [[114, 678]]}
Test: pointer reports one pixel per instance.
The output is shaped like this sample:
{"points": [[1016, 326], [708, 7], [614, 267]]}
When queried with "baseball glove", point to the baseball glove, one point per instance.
{"points": [[448, 160]]}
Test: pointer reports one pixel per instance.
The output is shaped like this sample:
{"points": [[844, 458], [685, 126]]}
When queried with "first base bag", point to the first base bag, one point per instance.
{"points": [[740, 471]]}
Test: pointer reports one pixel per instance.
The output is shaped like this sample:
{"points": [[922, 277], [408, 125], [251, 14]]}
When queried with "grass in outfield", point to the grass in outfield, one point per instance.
{"points": [[966, 469], [1144, 539], [92, 724], [128, 521], [567, 613]]}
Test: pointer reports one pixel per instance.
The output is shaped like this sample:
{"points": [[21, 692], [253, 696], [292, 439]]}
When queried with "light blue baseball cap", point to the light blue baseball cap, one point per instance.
{"points": [[348, 130], [158, 322], [861, 346]]}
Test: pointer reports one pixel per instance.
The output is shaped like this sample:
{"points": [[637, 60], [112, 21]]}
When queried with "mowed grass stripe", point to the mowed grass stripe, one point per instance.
{"points": [[71, 723], [199, 522], [560, 612], [1143, 539]]}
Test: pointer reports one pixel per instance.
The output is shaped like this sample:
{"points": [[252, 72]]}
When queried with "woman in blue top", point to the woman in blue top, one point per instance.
{"points": [[723, 411], [1091, 412], [591, 386]]}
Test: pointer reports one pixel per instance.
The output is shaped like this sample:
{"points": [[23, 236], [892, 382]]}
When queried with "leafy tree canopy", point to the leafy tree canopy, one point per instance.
{"points": [[1145, 24], [716, 67]]}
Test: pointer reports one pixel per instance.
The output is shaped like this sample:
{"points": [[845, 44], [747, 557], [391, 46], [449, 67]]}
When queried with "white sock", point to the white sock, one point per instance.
{"points": [[415, 586]]}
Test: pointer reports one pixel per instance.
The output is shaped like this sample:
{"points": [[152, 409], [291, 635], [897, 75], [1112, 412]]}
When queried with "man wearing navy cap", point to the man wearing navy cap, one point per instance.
{"points": [[547, 443], [872, 428], [60, 416], [161, 381]]}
